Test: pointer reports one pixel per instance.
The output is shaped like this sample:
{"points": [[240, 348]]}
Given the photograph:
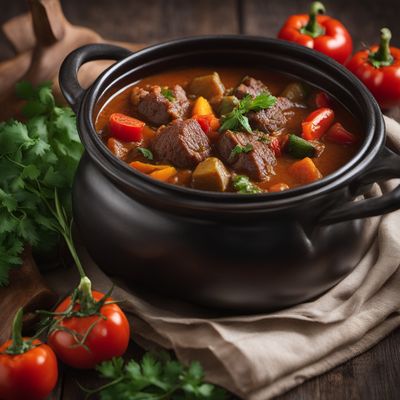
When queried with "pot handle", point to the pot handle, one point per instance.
{"points": [[68, 77], [387, 167]]}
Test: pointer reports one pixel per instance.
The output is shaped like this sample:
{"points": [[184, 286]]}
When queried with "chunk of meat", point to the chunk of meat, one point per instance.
{"points": [[122, 150], [271, 119], [250, 86], [257, 164], [157, 109], [182, 143]]}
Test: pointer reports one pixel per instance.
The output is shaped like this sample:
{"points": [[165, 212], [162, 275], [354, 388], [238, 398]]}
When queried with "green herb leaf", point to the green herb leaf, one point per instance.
{"points": [[146, 153], [168, 94], [35, 158], [156, 377], [237, 119], [240, 149], [242, 184]]}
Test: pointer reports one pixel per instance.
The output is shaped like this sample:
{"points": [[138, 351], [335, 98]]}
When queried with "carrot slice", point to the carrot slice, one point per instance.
{"points": [[147, 168], [148, 133], [164, 174], [305, 171], [202, 107]]}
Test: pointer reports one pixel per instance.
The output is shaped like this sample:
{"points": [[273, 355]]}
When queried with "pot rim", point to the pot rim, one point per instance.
{"points": [[145, 186]]}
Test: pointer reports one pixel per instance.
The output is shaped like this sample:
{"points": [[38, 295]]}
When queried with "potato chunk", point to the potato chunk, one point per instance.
{"points": [[211, 174], [208, 86], [228, 103]]}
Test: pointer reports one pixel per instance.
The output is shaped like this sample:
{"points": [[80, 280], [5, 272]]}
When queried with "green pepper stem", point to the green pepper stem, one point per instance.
{"points": [[382, 57], [313, 28]]}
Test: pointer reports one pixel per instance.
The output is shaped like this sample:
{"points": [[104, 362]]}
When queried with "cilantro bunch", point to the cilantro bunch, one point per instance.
{"points": [[156, 377], [37, 157]]}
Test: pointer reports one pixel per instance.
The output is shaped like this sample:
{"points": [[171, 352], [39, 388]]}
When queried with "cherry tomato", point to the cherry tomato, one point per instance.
{"points": [[338, 134], [107, 335], [126, 128], [31, 375], [316, 124]]}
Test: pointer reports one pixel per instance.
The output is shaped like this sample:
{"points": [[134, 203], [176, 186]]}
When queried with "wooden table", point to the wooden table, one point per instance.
{"points": [[372, 375]]}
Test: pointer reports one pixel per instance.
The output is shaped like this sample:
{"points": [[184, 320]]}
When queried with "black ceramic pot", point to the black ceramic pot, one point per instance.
{"points": [[242, 253]]}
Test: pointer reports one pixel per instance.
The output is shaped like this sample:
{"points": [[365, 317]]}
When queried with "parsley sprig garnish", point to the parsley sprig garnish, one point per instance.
{"points": [[242, 184], [168, 94], [37, 156], [156, 377], [238, 149], [146, 153], [237, 119]]}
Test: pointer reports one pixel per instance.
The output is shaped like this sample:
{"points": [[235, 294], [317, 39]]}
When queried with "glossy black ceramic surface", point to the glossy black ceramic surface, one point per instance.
{"points": [[242, 253]]}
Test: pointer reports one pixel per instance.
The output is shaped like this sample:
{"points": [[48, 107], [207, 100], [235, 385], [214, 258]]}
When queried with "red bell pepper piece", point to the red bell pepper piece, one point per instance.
{"points": [[379, 69], [317, 123], [323, 100], [338, 134], [204, 122], [319, 32], [126, 128]]}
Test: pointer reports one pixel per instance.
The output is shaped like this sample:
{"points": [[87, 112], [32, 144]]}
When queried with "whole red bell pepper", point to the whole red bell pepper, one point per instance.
{"points": [[319, 32], [379, 69]]}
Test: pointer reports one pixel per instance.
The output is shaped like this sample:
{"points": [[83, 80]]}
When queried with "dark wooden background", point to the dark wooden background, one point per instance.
{"points": [[374, 375]]}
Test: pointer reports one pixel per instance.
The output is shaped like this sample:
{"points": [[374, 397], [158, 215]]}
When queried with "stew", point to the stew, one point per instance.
{"points": [[232, 130]]}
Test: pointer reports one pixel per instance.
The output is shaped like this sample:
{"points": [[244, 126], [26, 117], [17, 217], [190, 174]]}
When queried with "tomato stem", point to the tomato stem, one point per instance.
{"points": [[86, 298], [18, 345], [313, 28], [382, 57]]}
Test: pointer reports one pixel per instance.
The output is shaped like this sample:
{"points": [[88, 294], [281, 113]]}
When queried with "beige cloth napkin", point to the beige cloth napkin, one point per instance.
{"points": [[261, 356]]}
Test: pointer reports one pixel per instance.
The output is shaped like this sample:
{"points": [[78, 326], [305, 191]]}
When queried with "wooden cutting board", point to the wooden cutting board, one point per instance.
{"points": [[42, 39]]}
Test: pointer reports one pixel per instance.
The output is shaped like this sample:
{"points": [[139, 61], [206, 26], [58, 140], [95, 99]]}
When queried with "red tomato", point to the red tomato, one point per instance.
{"points": [[338, 134], [108, 337], [317, 123], [28, 376], [126, 128]]}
